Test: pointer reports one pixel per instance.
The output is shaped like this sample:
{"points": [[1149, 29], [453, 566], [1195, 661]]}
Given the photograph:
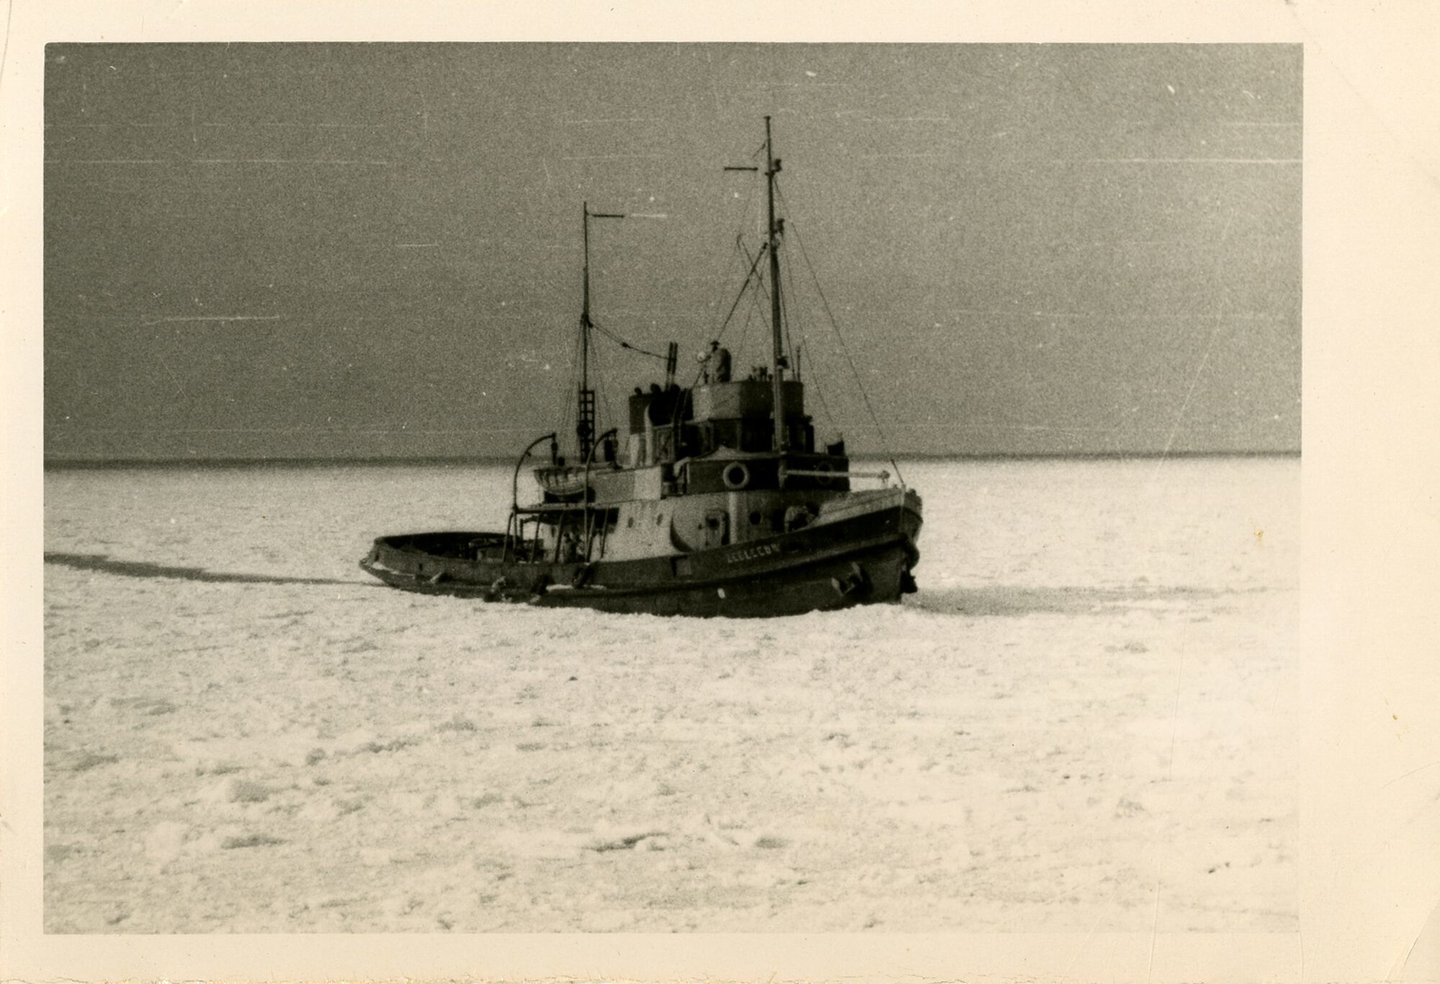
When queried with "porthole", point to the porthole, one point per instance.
{"points": [[736, 476], [755, 518]]}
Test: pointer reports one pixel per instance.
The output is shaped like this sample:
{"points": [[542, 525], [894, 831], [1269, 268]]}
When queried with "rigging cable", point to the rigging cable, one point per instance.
{"points": [[602, 400], [754, 299], [567, 422], [747, 205], [844, 347], [757, 310], [743, 288], [814, 382], [622, 343], [785, 312]]}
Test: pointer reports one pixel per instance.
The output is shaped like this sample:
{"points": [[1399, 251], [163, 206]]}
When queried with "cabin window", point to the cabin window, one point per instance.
{"points": [[807, 437], [755, 518], [726, 433], [755, 435], [690, 439], [631, 522]]}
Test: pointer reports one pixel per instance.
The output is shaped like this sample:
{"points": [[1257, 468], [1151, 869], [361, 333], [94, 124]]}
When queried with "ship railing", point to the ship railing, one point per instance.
{"points": [[589, 521], [883, 475], [519, 545], [515, 527]]}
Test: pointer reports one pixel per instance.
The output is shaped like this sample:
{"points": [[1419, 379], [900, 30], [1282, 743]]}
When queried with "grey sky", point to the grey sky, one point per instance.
{"points": [[373, 250]]}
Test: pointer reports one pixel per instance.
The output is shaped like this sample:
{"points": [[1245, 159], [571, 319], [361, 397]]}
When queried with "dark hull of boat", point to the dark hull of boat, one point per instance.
{"points": [[866, 559]]}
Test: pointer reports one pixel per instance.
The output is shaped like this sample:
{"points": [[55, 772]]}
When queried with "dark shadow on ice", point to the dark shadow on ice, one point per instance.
{"points": [[1010, 600], [135, 568]]}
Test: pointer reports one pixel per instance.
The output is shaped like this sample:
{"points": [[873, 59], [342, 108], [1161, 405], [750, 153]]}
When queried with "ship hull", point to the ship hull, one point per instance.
{"points": [[863, 559]]}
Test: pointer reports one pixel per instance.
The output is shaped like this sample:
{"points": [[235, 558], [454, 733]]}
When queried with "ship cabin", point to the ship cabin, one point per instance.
{"points": [[698, 468], [702, 432]]}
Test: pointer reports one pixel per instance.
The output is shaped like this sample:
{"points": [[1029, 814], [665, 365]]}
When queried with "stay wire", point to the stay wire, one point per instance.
{"points": [[567, 422], [755, 312], [602, 398], [744, 287], [798, 322], [622, 342], [845, 348], [814, 380], [746, 207]]}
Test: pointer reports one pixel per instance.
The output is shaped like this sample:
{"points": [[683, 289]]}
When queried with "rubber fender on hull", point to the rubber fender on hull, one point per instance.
{"points": [[857, 581]]}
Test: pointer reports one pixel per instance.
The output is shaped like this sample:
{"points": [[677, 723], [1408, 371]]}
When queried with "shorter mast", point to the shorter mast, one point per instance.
{"points": [[585, 415]]}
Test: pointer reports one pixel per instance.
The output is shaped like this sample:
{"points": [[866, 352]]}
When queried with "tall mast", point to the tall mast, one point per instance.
{"points": [[777, 358]]}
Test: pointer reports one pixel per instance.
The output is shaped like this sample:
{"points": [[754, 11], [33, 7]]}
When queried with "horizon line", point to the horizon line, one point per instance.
{"points": [[84, 463]]}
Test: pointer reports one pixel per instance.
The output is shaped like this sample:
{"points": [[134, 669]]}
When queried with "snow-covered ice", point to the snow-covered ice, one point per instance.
{"points": [[1085, 720]]}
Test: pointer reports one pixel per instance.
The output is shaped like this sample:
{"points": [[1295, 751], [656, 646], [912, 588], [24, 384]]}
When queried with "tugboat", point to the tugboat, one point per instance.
{"points": [[719, 503]]}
